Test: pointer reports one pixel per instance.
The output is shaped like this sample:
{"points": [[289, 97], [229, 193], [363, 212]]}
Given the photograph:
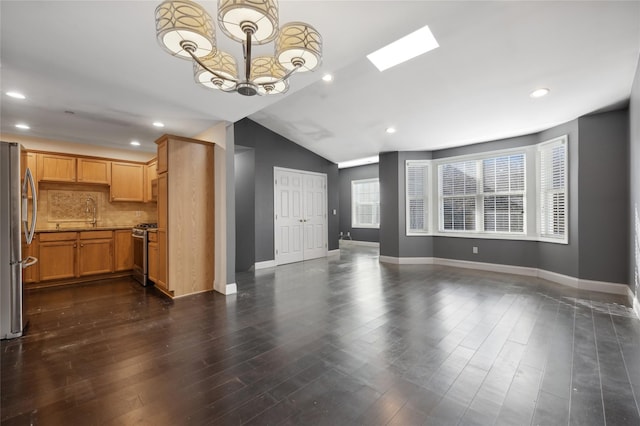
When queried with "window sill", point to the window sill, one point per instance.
{"points": [[489, 236]]}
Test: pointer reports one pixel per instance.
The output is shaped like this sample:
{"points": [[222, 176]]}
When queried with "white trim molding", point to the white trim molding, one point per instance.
{"points": [[360, 243], [578, 283], [264, 265], [633, 300], [335, 252]]}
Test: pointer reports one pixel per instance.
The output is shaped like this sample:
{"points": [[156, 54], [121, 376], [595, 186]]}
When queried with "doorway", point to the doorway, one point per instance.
{"points": [[300, 216]]}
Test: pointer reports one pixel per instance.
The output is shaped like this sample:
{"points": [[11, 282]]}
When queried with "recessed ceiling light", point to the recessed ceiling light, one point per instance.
{"points": [[22, 126], [135, 143], [401, 50], [538, 93], [158, 124], [327, 77], [390, 130], [16, 95]]}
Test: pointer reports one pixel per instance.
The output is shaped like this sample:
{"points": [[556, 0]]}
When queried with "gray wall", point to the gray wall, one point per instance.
{"points": [[604, 197], [369, 171], [598, 173], [634, 184], [273, 150], [245, 208], [389, 204]]}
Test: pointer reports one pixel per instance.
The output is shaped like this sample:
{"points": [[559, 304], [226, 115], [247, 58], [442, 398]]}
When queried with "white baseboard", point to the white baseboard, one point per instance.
{"points": [[492, 267], [407, 260], [266, 264], [633, 300], [360, 243], [335, 252], [582, 284], [231, 289]]}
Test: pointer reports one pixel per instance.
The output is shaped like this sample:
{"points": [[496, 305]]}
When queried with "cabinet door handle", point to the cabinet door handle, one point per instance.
{"points": [[75, 245], [81, 245]]}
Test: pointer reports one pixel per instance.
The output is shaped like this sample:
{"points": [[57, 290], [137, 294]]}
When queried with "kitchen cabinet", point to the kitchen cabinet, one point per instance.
{"points": [[95, 254], [29, 159], [56, 168], [152, 256], [127, 182], [73, 255], [186, 221], [94, 171], [163, 155], [163, 199], [151, 182], [30, 274], [57, 255], [123, 258]]}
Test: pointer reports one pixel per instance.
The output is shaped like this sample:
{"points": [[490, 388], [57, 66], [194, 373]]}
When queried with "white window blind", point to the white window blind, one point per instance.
{"points": [[458, 189], [365, 201], [417, 197], [503, 183], [552, 189]]}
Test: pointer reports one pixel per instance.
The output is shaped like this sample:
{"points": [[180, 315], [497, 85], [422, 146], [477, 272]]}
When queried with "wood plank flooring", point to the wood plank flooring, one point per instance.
{"points": [[343, 341]]}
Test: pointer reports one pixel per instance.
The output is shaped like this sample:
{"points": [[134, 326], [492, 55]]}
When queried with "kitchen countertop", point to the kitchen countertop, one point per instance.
{"points": [[87, 228]]}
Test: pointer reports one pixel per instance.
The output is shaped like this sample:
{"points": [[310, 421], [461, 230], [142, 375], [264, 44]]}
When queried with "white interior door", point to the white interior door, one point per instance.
{"points": [[300, 215], [315, 216]]}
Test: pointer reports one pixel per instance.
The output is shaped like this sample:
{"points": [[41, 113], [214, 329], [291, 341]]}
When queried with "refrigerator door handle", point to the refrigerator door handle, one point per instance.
{"points": [[29, 261], [29, 230]]}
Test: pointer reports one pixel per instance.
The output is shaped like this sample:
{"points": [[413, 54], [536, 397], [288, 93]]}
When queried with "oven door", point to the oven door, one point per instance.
{"points": [[139, 256]]}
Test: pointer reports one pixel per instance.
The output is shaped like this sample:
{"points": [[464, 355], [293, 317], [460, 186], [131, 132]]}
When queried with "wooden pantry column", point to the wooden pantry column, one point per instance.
{"points": [[186, 221]]}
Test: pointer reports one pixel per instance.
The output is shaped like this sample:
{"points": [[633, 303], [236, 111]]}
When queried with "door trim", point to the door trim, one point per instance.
{"points": [[326, 204]]}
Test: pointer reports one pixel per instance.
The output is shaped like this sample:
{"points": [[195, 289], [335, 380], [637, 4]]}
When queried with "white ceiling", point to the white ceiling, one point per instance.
{"points": [[100, 59]]}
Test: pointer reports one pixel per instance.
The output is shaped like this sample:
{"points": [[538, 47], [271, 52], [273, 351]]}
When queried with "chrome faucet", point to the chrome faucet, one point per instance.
{"points": [[91, 207]]}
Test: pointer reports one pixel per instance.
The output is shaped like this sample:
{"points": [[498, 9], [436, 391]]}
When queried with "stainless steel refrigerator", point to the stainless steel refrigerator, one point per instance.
{"points": [[14, 224]]}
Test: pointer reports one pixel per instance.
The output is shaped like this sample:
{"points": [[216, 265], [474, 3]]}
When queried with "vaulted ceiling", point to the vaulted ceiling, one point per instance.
{"points": [[94, 73]]}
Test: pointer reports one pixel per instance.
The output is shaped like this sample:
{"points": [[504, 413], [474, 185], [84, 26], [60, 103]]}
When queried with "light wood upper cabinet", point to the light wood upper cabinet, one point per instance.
{"points": [[151, 183], [127, 182], [94, 171], [30, 160], [163, 157], [56, 168], [123, 259]]}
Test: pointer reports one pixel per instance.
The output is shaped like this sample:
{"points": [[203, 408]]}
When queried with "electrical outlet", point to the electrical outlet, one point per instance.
{"points": [[335, 212], [138, 213], [475, 250]]}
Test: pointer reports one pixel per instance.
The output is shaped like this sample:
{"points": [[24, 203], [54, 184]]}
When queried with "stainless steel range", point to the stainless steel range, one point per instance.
{"points": [[140, 237]]}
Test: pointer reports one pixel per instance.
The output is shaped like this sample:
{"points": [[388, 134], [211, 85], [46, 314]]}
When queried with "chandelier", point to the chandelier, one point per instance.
{"points": [[185, 30]]}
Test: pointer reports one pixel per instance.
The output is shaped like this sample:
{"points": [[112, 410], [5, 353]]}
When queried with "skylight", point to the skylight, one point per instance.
{"points": [[403, 49]]}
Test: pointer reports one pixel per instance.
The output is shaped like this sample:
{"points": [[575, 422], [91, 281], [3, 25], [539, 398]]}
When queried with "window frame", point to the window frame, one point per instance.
{"points": [[354, 223], [426, 197], [480, 195], [540, 191]]}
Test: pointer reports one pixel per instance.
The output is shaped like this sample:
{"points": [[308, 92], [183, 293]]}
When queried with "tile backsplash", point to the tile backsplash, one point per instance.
{"points": [[67, 205]]}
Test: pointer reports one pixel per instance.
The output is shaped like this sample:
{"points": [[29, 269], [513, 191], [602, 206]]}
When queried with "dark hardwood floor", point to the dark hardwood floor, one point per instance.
{"points": [[343, 341]]}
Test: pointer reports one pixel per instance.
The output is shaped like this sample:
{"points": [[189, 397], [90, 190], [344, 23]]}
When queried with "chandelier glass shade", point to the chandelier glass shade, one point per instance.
{"points": [[185, 30]]}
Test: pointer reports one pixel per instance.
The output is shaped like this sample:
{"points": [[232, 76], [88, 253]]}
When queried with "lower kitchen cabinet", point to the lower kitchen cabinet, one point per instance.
{"points": [[123, 257], [30, 273], [72, 255], [152, 256], [95, 253], [58, 255]]}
